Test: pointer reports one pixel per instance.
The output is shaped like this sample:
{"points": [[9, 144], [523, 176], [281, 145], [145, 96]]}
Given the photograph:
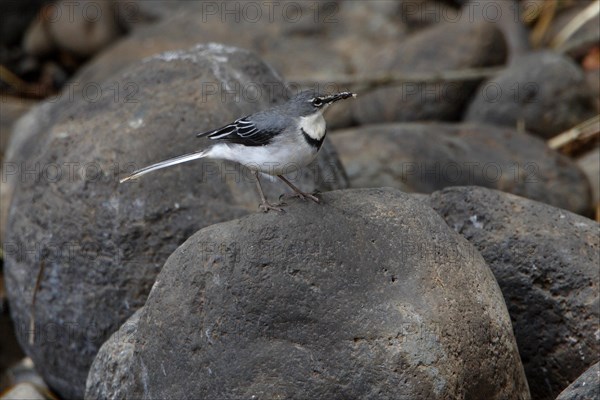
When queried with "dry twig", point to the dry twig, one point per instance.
{"points": [[544, 19], [571, 141], [24, 89], [35, 291], [575, 24]]}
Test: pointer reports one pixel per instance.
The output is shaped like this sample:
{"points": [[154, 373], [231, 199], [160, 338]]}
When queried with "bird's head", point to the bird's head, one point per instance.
{"points": [[308, 101]]}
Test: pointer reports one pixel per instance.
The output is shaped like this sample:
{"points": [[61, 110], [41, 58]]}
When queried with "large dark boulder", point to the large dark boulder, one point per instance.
{"points": [[547, 263], [545, 90], [99, 244], [423, 157], [362, 296]]}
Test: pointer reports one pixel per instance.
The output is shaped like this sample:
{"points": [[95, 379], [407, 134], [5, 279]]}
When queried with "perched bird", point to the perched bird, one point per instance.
{"points": [[279, 140]]}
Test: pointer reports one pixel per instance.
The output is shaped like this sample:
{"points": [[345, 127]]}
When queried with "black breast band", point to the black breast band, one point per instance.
{"points": [[316, 143]]}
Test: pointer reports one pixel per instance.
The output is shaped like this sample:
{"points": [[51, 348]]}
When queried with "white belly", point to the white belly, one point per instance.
{"points": [[278, 158]]}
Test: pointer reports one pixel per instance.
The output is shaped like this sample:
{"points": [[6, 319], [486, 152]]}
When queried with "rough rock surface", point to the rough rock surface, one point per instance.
{"points": [[547, 262], [115, 353], [360, 297], [586, 387], [528, 90], [101, 244], [481, 45], [423, 158]]}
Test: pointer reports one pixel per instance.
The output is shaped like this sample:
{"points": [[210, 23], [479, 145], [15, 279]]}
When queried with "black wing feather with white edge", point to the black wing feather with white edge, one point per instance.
{"points": [[241, 131]]}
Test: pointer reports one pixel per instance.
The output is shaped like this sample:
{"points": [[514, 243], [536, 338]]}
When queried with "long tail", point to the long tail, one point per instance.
{"points": [[165, 164]]}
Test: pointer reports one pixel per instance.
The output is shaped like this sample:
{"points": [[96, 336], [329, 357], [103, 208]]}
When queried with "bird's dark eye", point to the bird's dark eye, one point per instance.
{"points": [[317, 102]]}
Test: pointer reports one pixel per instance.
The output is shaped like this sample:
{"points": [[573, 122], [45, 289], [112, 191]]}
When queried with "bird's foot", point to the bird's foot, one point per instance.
{"points": [[266, 207], [302, 196]]}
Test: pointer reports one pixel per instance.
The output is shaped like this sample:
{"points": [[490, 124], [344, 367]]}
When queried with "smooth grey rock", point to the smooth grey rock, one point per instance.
{"points": [[25, 137], [546, 90], [362, 296], [419, 14], [301, 40], [547, 263], [507, 16], [586, 387], [424, 158], [101, 243], [431, 50], [80, 28], [11, 110]]}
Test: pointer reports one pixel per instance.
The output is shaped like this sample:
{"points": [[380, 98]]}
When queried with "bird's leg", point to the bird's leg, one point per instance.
{"points": [[298, 193], [265, 206]]}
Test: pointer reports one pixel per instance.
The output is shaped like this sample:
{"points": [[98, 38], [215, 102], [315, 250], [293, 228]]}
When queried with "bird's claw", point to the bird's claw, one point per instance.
{"points": [[281, 202], [302, 196]]}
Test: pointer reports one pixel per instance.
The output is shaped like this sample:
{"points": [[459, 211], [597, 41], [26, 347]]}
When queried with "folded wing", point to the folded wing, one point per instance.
{"points": [[242, 131]]}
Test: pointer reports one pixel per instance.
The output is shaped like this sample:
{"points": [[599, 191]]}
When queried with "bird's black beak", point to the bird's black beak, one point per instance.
{"points": [[338, 96]]}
